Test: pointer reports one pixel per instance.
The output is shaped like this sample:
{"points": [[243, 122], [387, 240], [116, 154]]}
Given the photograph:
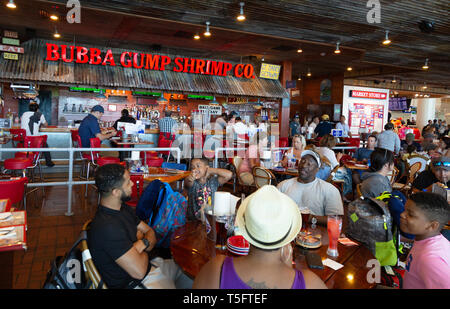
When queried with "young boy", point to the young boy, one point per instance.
{"points": [[202, 184], [428, 263]]}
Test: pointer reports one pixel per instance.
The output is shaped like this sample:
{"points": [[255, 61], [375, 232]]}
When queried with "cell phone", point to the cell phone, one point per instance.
{"points": [[314, 260]]}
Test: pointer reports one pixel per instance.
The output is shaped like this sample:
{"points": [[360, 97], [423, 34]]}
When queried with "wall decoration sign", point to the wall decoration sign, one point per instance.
{"points": [[325, 90], [291, 84], [212, 109], [11, 34], [9, 41], [127, 59], [11, 49], [270, 71], [10, 56]]}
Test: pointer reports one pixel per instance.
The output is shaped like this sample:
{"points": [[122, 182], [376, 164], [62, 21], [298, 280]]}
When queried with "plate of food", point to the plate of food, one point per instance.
{"points": [[308, 241]]}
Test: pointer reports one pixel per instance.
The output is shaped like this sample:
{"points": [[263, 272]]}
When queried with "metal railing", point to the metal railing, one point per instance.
{"points": [[217, 150], [70, 183]]}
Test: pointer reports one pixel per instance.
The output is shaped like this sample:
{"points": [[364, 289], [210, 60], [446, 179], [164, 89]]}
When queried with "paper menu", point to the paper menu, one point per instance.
{"points": [[12, 218], [13, 238], [332, 264]]}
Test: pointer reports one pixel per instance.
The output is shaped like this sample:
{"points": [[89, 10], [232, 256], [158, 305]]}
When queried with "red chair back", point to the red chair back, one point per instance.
{"points": [[13, 189], [95, 143], [74, 135], [165, 143], [34, 142], [18, 136], [154, 162]]}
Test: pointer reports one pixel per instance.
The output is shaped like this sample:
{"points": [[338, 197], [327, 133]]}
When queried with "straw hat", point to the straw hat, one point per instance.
{"points": [[268, 219]]}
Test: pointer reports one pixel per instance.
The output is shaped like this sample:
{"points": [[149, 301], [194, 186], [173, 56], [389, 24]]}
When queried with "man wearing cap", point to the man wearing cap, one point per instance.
{"points": [[294, 126], [89, 127], [439, 173], [319, 196], [324, 127]]}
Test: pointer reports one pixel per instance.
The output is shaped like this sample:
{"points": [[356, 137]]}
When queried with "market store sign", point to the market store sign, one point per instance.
{"points": [[94, 56], [368, 95]]}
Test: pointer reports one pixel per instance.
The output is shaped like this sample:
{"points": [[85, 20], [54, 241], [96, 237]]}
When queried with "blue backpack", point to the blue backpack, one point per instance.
{"points": [[163, 209]]}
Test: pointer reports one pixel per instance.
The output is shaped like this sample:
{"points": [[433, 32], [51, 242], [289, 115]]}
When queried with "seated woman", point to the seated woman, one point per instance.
{"points": [[444, 146], [326, 143], [272, 221], [202, 184], [294, 154], [375, 180], [252, 155]]}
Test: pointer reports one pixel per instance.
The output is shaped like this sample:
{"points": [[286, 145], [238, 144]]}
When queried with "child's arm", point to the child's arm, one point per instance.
{"points": [[188, 181], [223, 174]]}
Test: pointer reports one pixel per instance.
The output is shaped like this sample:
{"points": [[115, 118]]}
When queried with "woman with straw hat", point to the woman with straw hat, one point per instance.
{"points": [[269, 220]]}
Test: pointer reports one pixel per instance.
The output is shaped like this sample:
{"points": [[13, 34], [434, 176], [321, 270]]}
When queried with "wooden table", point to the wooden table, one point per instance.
{"points": [[164, 176], [191, 250], [355, 166], [128, 142]]}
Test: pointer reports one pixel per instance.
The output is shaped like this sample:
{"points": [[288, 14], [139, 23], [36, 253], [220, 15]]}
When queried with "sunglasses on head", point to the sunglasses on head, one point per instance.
{"points": [[440, 163]]}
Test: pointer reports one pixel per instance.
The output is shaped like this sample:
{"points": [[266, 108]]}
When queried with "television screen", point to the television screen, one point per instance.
{"points": [[398, 104]]}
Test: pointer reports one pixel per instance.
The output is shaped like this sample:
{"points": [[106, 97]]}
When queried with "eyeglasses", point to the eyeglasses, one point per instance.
{"points": [[440, 163]]}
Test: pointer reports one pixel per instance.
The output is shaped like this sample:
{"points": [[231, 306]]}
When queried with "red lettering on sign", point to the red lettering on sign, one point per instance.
{"points": [[178, 64], [95, 56], [52, 52], [125, 62], [64, 53], [152, 62], [109, 58], [227, 67], [135, 61], [164, 61], [216, 68], [82, 55], [248, 71], [238, 70], [200, 65], [189, 64]]}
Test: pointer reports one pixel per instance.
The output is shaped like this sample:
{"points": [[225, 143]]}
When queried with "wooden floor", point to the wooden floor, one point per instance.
{"points": [[50, 232]]}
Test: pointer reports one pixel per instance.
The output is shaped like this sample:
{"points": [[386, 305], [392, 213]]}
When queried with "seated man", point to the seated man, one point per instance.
{"points": [[439, 173], [321, 197], [363, 155], [119, 241]]}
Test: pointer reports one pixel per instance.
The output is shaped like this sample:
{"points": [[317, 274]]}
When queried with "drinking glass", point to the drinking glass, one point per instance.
{"points": [[334, 225], [305, 218], [222, 224]]}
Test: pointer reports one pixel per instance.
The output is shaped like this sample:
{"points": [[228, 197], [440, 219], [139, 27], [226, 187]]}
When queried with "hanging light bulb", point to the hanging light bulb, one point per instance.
{"points": [[196, 37], [337, 51], [299, 77], [300, 50], [387, 41], [262, 59], [11, 4], [56, 35], [424, 86], [425, 66], [394, 80], [309, 73], [207, 32], [162, 99], [241, 16], [349, 69]]}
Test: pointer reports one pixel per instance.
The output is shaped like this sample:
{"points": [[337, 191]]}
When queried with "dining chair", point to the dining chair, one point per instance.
{"points": [[393, 175], [18, 136], [413, 171], [14, 190], [90, 270], [263, 176]]}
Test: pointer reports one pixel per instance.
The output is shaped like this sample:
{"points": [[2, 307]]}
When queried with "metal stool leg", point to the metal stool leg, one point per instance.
{"points": [[87, 178]]}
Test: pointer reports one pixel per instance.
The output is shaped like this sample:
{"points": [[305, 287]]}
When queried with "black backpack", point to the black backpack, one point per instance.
{"points": [[63, 273]]}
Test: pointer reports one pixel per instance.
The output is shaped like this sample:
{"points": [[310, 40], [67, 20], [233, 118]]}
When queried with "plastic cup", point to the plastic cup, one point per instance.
{"points": [[334, 225]]}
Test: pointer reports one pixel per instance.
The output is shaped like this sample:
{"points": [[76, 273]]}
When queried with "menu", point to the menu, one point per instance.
{"points": [[13, 226], [366, 116]]}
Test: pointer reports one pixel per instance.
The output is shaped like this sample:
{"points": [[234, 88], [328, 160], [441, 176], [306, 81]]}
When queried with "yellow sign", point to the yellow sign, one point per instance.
{"points": [[270, 71], [10, 56]]}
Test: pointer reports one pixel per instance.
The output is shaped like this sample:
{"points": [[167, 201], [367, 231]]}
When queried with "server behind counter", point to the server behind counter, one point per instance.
{"points": [[125, 118]]}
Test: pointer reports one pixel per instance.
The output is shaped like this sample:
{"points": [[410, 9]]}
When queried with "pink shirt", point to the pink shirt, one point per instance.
{"points": [[428, 264], [252, 152]]}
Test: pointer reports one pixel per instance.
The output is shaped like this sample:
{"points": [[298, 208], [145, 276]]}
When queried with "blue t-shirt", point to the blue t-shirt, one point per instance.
{"points": [[88, 129], [295, 128], [363, 153]]}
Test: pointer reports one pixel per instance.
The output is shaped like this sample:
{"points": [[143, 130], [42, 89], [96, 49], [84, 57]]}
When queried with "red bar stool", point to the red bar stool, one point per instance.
{"points": [[14, 190], [33, 142], [18, 136], [15, 164]]}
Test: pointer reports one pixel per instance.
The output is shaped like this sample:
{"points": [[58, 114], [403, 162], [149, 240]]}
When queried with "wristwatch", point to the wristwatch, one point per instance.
{"points": [[146, 243]]}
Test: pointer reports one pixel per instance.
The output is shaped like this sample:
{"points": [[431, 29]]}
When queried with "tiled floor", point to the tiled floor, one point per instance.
{"points": [[50, 232]]}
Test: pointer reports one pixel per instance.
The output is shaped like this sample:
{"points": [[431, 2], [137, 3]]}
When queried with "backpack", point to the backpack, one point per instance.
{"points": [[62, 274], [164, 214], [370, 223]]}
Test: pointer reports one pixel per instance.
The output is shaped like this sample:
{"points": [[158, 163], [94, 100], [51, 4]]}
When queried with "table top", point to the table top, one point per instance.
{"points": [[165, 175], [128, 142], [191, 250], [356, 166]]}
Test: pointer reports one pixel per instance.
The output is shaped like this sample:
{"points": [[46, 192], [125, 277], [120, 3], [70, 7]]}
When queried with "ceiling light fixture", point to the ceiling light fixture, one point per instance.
{"points": [[241, 16], [337, 51], [394, 80], [11, 4], [207, 32], [424, 86], [214, 101], [196, 37], [349, 69], [299, 77], [299, 50], [56, 35], [425, 66], [309, 73], [162, 99], [54, 17], [387, 41]]}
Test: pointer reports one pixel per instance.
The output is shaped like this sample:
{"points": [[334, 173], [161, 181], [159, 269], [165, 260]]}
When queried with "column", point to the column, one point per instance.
{"points": [[426, 110]]}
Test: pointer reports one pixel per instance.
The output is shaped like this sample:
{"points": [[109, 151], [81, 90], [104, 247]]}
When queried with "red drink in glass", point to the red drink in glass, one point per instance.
{"points": [[334, 225]]}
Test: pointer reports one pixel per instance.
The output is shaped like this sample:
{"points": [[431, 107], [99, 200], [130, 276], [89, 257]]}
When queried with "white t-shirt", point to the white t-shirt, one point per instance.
{"points": [[319, 196], [329, 154], [26, 119], [344, 127]]}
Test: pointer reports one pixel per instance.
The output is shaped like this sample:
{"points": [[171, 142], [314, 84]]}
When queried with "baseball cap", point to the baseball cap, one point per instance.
{"points": [[325, 117], [314, 154], [98, 108]]}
